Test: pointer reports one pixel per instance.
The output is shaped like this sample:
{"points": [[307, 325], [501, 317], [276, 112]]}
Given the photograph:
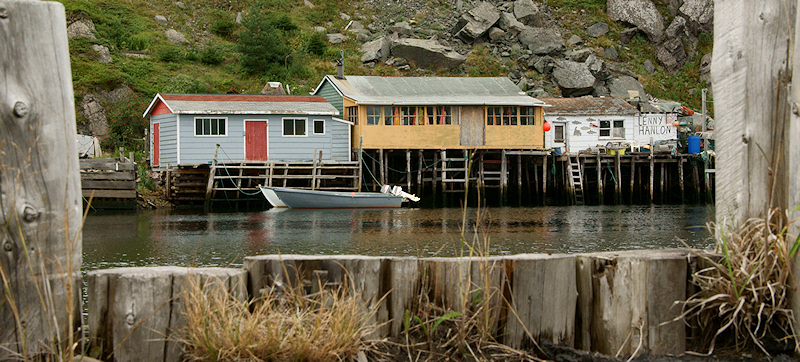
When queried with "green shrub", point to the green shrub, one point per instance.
{"points": [[316, 44], [183, 84], [141, 41], [262, 44], [169, 54], [125, 123], [480, 63], [212, 55], [224, 24]]}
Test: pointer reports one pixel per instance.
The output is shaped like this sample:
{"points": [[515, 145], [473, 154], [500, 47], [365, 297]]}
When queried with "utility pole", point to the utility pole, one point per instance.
{"points": [[705, 118]]}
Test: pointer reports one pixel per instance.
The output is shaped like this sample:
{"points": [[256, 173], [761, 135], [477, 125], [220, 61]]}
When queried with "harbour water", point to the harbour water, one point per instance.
{"points": [[193, 238]]}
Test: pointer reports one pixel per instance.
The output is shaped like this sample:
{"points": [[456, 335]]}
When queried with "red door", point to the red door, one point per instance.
{"points": [[156, 145], [255, 134]]}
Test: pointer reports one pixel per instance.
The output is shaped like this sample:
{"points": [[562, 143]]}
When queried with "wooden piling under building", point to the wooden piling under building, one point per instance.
{"points": [[443, 178]]}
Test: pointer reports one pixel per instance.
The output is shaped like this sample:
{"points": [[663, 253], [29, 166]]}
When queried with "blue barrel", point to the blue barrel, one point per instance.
{"points": [[694, 144], [556, 151]]}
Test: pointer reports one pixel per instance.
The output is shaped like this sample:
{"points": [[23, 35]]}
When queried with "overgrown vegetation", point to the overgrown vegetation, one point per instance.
{"points": [[284, 324], [743, 297]]}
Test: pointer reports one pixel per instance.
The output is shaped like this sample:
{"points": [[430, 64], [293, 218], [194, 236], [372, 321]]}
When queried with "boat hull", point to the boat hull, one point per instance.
{"points": [[313, 199], [272, 198]]}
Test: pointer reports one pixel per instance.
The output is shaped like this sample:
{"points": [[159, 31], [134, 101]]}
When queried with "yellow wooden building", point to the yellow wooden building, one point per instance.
{"points": [[436, 112]]}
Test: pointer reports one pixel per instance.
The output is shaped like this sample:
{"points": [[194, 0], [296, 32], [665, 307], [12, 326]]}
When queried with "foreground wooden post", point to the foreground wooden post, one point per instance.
{"points": [[757, 102], [136, 314], [40, 194], [627, 299]]}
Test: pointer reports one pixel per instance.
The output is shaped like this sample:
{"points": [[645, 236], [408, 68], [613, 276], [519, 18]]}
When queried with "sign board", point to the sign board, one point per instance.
{"points": [[657, 126]]}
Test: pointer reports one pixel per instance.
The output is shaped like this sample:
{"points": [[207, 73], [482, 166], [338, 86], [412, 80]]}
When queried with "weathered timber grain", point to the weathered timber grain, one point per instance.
{"points": [[136, 314], [543, 300], [40, 202], [627, 300]]}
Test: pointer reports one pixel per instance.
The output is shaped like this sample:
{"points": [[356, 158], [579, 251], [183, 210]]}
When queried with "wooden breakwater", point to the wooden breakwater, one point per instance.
{"points": [[613, 303]]}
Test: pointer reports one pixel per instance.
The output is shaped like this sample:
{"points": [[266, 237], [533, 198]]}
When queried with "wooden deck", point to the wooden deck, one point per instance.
{"points": [[109, 182]]}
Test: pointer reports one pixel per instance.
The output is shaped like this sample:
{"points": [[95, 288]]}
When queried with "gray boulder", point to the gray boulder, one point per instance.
{"points": [[573, 78], [427, 53], [337, 38], [574, 40], [648, 66], [103, 55], [609, 53], [402, 28], [83, 28], [699, 11], [597, 30], [579, 55], [528, 12], [671, 54], [308, 4], [344, 16], [96, 120], [175, 37], [362, 35], [641, 13], [625, 87], [496, 34], [476, 22], [320, 29], [597, 67], [676, 28], [510, 24], [355, 25], [541, 40], [542, 64], [239, 17], [161, 20], [377, 50]]}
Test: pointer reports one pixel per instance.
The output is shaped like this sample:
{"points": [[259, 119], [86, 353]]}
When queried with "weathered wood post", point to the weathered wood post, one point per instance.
{"points": [[40, 190], [756, 104]]}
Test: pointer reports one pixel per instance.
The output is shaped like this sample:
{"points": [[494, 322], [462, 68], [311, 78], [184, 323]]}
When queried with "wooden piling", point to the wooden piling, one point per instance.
{"points": [[382, 165], [681, 181], [618, 183], [633, 177], [544, 180], [40, 187], [519, 180], [136, 314], [652, 173], [599, 171], [420, 169], [503, 178], [535, 189], [408, 170]]}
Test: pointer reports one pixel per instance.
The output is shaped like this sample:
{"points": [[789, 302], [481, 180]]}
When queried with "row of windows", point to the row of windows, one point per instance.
{"points": [[291, 127], [608, 129], [437, 115]]}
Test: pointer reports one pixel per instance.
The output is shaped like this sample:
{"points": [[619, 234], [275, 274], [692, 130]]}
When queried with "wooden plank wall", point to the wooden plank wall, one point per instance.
{"points": [[108, 178], [40, 202]]}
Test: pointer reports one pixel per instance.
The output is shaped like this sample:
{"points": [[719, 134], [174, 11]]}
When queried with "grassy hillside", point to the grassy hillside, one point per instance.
{"points": [[211, 62]]}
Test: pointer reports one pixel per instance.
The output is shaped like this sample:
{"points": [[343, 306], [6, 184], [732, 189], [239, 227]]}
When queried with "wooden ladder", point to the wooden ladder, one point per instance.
{"points": [[454, 171], [576, 178]]}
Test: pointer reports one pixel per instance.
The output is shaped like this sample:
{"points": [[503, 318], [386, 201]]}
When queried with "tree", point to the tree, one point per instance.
{"points": [[262, 44]]}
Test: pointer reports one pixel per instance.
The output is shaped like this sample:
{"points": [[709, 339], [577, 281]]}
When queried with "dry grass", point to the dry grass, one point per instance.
{"points": [[282, 325], [743, 296]]}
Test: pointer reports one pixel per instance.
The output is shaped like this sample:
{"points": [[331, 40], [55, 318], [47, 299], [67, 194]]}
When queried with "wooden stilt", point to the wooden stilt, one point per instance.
{"points": [[420, 165], [503, 177], [408, 170], [544, 180], [661, 186], [535, 190], [481, 170], [618, 183], [519, 180], [434, 175], [681, 181], [381, 164], [652, 173], [633, 177], [599, 180]]}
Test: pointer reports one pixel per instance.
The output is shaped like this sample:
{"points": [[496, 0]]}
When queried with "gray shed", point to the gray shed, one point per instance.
{"points": [[185, 128]]}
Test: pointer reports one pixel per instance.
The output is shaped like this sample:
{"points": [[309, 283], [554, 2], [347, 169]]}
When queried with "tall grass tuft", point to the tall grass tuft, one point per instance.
{"points": [[743, 298], [284, 324]]}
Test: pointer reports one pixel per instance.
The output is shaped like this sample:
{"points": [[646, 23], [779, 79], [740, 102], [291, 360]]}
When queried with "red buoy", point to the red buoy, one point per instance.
{"points": [[546, 126]]}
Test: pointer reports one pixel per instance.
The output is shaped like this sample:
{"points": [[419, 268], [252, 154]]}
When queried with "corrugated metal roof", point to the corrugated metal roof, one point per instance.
{"points": [[244, 104], [432, 90], [588, 106]]}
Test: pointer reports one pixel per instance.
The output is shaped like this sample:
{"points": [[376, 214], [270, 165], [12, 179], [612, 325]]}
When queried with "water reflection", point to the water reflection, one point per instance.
{"points": [[186, 237]]}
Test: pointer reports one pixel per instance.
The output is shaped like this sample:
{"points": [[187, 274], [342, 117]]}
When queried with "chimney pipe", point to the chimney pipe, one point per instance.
{"points": [[340, 67]]}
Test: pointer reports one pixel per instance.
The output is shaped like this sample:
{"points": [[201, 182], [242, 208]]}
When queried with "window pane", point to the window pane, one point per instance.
{"points": [[299, 127], [559, 134], [605, 124], [222, 126], [619, 132], [214, 127], [198, 127], [288, 127], [605, 132], [619, 124], [319, 126]]}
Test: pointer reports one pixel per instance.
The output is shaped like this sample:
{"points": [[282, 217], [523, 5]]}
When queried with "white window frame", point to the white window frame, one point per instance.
{"points": [[611, 128], [314, 128], [194, 126], [283, 126], [563, 127]]}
